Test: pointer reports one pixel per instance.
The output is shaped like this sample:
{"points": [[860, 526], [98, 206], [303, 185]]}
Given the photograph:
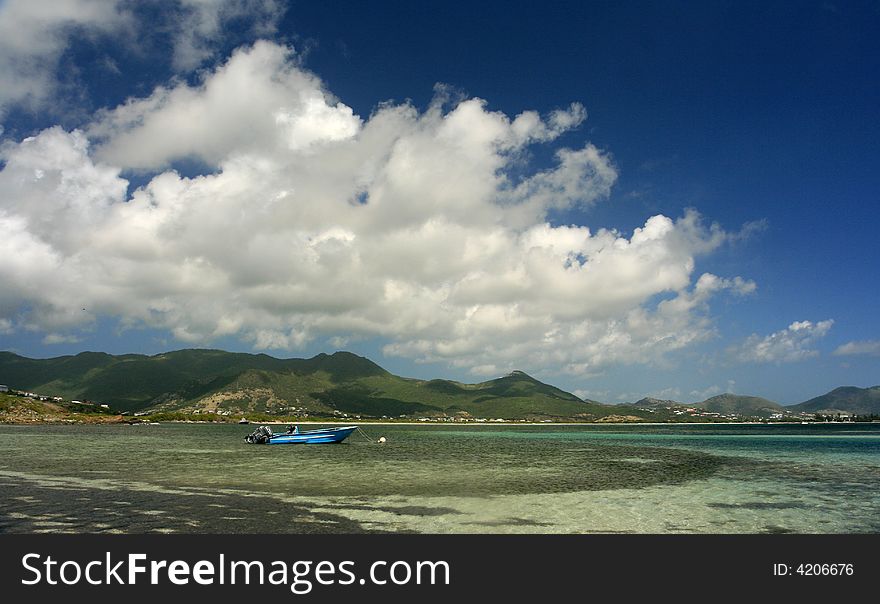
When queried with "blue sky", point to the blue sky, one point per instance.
{"points": [[623, 199]]}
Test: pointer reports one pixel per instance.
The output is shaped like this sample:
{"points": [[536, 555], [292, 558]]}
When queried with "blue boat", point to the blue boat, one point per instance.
{"points": [[264, 436]]}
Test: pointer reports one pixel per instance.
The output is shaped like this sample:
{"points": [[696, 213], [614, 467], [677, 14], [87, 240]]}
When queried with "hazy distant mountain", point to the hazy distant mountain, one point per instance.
{"points": [[655, 403], [850, 399], [725, 404], [342, 382], [214, 380], [741, 405]]}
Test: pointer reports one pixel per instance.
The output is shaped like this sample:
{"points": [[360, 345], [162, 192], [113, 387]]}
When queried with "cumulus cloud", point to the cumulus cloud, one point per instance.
{"points": [[701, 395], [55, 338], [863, 347], [671, 393], [424, 228], [258, 102], [199, 25], [786, 346], [34, 34], [32, 37]]}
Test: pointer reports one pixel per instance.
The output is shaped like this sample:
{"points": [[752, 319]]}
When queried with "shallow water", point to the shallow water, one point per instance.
{"points": [[439, 479]]}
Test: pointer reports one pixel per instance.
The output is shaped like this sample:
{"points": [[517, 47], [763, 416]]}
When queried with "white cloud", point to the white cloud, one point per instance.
{"points": [[785, 346], [593, 395], [35, 33], [55, 338], [671, 393], [259, 102], [863, 347], [423, 228], [200, 24], [487, 370], [701, 395]]}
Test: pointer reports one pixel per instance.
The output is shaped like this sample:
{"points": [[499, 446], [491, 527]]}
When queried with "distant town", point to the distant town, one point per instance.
{"points": [[679, 414]]}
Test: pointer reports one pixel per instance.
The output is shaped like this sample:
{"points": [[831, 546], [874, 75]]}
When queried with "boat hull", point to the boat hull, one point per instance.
{"points": [[313, 437]]}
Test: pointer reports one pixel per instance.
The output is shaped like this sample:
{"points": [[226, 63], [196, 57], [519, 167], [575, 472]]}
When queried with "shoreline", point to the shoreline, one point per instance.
{"points": [[478, 424], [453, 424]]}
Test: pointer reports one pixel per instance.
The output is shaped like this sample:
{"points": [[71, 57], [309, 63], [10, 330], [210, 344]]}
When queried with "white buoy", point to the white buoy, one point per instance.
{"points": [[381, 439]]}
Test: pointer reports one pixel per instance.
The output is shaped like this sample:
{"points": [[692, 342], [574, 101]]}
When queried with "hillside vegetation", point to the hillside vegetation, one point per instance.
{"points": [[849, 399], [214, 381], [225, 384], [23, 410], [743, 405]]}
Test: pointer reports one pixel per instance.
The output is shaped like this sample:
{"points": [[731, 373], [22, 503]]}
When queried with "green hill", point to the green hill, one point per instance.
{"points": [[849, 399], [128, 382], [24, 410], [233, 383], [655, 403], [741, 405]]}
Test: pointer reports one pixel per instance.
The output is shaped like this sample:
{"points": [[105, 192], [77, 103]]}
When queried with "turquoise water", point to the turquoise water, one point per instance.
{"points": [[444, 479]]}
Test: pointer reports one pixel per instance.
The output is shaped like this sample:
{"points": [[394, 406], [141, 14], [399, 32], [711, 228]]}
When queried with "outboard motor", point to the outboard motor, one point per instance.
{"points": [[260, 436]]}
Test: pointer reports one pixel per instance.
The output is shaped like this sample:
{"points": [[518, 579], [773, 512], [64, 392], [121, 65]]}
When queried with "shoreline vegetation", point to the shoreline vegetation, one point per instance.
{"points": [[17, 408], [215, 386]]}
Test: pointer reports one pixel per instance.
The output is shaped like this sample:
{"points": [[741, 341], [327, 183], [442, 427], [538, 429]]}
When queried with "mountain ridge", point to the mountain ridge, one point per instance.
{"points": [[341, 383], [754, 406], [850, 399], [196, 380]]}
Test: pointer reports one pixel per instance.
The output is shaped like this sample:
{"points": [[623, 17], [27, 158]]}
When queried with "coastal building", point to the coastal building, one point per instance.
{"points": [[4, 388]]}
